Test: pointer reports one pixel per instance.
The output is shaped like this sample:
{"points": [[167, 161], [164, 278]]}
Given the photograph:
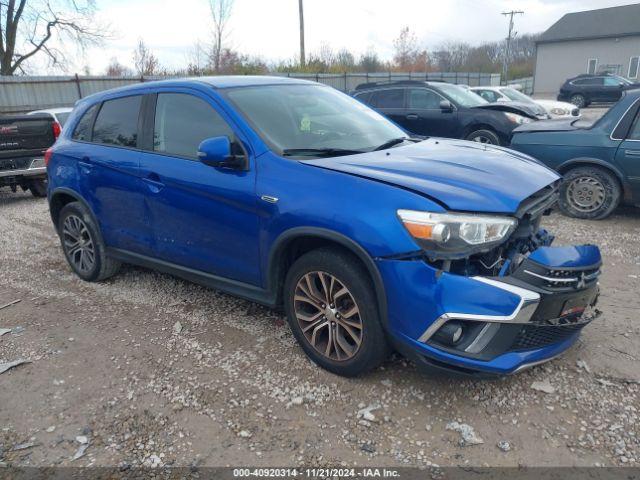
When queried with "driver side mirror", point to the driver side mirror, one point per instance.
{"points": [[445, 106], [217, 152]]}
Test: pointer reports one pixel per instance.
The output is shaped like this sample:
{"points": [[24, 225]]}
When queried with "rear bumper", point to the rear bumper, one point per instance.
{"points": [[22, 170], [508, 323], [29, 172]]}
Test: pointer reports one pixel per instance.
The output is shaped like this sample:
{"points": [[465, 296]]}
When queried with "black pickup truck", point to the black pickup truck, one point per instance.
{"points": [[24, 140]]}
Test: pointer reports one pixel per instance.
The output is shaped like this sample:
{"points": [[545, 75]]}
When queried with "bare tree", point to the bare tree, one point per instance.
{"points": [[220, 14], [116, 69], [38, 26], [408, 55], [145, 61]]}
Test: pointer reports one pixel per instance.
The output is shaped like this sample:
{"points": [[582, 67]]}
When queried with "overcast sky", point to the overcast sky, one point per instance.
{"points": [[269, 28]]}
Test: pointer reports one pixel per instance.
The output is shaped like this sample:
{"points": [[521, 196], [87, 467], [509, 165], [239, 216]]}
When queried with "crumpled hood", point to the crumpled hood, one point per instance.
{"points": [[464, 176], [530, 110]]}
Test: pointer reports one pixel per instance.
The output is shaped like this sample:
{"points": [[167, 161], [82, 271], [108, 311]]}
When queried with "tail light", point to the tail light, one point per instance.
{"points": [[57, 128], [47, 156]]}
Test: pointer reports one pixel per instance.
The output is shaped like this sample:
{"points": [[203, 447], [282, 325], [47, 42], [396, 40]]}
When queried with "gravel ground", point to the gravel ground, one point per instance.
{"points": [[145, 369]]}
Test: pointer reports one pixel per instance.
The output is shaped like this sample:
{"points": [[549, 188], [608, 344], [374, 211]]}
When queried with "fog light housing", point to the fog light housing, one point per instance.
{"points": [[449, 334]]}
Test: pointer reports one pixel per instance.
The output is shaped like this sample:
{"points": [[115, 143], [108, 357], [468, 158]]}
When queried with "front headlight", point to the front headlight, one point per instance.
{"points": [[456, 235], [559, 111], [519, 119]]}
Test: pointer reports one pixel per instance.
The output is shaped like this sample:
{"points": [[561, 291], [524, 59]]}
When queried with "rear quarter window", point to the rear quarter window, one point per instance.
{"points": [[117, 122], [82, 131]]}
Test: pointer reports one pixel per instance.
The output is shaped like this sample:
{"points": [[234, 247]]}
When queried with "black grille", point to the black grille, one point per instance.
{"points": [[558, 279], [537, 336]]}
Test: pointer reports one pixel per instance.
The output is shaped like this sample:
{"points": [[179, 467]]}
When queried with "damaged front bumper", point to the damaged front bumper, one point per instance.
{"points": [[493, 325]]}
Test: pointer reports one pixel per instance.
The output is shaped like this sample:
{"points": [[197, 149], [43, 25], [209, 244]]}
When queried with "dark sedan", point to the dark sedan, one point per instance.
{"points": [[600, 162], [438, 109]]}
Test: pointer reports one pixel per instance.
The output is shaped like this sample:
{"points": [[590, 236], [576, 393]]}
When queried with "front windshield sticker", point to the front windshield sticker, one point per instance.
{"points": [[305, 123]]}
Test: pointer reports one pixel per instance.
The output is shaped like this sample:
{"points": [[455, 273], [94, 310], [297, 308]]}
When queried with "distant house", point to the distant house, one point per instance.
{"points": [[595, 41]]}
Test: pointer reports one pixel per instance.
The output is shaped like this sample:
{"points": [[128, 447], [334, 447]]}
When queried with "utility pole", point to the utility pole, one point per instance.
{"points": [[302, 60], [512, 34]]}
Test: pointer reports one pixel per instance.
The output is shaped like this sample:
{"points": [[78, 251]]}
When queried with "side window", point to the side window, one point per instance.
{"points": [[611, 82], [633, 67], [182, 122], [82, 131], [390, 98], [634, 133], [488, 95], [421, 98], [364, 97], [117, 122]]}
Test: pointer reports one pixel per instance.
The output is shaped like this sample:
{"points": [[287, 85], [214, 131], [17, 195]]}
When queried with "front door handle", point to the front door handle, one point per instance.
{"points": [[632, 153], [412, 116]]}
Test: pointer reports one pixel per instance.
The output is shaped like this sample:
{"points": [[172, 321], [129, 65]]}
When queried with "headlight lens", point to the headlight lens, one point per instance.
{"points": [[454, 235], [519, 119], [559, 111]]}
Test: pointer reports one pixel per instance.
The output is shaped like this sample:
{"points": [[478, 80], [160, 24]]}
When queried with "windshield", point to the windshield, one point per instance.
{"points": [[462, 96], [516, 96], [623, 80], [296, 117]]}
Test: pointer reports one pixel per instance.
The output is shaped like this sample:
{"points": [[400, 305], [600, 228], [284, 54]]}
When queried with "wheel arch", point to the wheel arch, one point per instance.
{"points": [[563, 168], [62, 196], [297, 241]]}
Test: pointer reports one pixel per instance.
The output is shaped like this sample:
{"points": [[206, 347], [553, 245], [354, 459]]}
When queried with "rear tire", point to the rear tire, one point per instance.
{"points": [[332, 311], [578, 100], [82, 244], [589, 193], [488, 137], [38, 188]]}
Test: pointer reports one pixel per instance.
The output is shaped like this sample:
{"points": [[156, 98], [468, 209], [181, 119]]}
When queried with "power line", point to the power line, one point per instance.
{"points": [[505, 63]]}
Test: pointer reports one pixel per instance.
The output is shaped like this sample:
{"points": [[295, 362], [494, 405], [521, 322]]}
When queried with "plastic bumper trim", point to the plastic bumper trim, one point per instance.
{"points": [[521, 314]]}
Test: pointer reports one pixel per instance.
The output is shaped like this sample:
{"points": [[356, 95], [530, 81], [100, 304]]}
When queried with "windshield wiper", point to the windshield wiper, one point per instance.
{"points": [[395, 141], [319, 152]]}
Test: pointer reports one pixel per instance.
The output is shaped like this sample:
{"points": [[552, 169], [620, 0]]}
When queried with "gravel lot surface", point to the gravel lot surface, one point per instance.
{"points": [[145, 369]]}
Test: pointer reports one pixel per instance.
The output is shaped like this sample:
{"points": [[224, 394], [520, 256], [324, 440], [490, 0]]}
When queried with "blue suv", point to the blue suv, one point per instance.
{"points": [[296, 196]]}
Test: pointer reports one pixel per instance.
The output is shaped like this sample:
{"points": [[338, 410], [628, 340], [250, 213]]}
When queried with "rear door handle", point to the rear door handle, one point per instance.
{"points": [[153, 182], [85, 165], [632, 153], [412, 116]]}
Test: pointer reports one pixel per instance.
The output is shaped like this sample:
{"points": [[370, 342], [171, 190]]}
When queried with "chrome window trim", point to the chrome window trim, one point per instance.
{"points": [[620, 120]]}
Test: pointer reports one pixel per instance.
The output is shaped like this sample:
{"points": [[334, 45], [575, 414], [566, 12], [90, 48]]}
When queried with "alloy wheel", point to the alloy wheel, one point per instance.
{"points": [[586, 194], [78, 244], [482, 139], [328, 316]]}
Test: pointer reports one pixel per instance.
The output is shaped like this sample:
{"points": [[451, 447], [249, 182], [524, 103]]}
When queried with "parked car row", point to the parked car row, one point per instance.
{"points": [[294, 195], [446, 110]]}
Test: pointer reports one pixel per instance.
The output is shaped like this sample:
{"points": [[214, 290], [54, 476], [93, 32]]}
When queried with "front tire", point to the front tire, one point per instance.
{"points": [[578, 100], [589, 193], [485, 136], [82, 244], [332, 311]]}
